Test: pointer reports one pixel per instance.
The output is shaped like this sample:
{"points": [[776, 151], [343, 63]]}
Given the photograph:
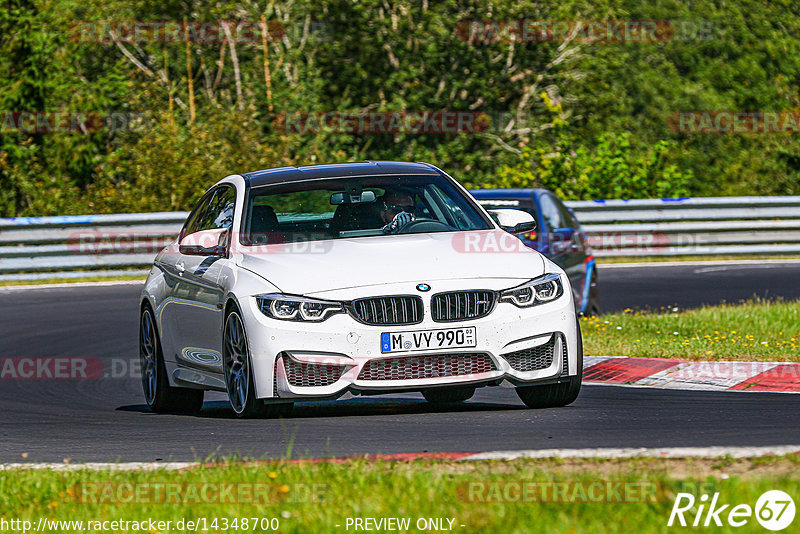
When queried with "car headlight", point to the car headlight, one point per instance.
{"points": [[538, 291], [292, 308]]}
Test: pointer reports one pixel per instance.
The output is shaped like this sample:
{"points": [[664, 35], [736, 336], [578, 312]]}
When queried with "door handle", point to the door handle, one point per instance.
{"points": [[181, 267]]}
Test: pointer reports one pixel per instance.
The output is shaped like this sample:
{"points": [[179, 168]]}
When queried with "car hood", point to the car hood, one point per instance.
{"points": [[307, 268]]}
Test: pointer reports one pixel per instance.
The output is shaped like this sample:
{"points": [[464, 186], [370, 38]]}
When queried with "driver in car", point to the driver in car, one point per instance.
{"points": [[398, 210]]}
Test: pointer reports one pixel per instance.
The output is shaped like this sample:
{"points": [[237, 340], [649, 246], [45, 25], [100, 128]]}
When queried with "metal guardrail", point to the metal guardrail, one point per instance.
{"points": [[83, 242], [59, 246], [691, 226]]}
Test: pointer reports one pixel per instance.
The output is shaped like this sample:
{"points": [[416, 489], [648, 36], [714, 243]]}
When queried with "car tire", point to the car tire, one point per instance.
{"points": [[239, 374], [554, 395], [448, 395], [159, 395]]}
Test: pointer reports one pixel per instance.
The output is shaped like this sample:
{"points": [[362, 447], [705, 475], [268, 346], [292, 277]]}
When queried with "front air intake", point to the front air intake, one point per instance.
{"points": [[420, 367], [388, 311], [306, 375], [536, 358], [462, 305]]}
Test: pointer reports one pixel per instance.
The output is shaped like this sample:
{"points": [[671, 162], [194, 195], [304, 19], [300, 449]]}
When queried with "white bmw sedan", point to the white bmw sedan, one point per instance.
{"points": [[323, 282]]}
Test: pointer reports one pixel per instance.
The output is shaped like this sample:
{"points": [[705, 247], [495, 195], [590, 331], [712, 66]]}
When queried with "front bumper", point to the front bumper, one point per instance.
{"points": [[515, 346]]}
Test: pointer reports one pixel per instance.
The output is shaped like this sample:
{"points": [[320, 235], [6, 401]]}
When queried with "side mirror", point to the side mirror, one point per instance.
{"points": [[514, 221], [205, 243]]}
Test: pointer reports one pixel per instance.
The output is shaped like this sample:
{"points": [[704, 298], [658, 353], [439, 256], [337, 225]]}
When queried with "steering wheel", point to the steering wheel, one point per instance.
{"points": [[420, 226]]}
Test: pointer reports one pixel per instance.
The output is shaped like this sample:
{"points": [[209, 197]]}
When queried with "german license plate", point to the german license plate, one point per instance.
{"points": [[428, 339]]}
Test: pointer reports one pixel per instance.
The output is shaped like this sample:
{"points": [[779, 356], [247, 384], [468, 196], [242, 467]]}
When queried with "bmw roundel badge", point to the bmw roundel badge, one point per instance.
{"points": [[423, 287]]}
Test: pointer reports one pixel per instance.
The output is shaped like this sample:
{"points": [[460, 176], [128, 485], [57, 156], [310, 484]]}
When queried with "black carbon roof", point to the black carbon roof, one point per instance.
{"points": [[282, 175]]}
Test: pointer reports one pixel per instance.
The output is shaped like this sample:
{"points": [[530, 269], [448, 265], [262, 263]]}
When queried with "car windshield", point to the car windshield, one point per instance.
{"points": [[350, 207]]}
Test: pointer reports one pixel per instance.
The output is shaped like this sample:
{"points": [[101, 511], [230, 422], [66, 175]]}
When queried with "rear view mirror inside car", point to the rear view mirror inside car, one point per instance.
{"points": [[356, 198]]}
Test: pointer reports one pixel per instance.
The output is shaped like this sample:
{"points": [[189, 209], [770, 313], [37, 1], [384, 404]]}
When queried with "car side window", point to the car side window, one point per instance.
{"points": [[215, 210], [551, 212], [567, 216], [195, 217], [219, 213]]}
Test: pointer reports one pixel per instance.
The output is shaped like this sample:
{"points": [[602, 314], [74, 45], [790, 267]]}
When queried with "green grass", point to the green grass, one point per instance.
{"points": [[315, 497], [750, 331]]}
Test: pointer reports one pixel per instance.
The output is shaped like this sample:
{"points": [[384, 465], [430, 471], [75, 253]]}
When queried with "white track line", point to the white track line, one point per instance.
{"points": [[589, 361], [639, 452], [668, 452], [601, 265]]}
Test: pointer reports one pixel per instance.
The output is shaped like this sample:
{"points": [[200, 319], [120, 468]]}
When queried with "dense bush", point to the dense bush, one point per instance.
{"points": [[610, 169], [588, 120]]}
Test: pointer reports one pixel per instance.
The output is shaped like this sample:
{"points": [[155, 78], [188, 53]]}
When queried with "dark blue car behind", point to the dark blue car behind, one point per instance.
{"points": [[558, 236]]}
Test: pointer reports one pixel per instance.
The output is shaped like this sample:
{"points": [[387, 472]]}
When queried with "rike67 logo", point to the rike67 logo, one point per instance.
{"points": [[774, 510]]}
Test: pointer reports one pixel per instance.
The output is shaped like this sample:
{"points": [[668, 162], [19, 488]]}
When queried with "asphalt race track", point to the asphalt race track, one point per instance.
{"points": [[105, 419], [690, 286]]}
